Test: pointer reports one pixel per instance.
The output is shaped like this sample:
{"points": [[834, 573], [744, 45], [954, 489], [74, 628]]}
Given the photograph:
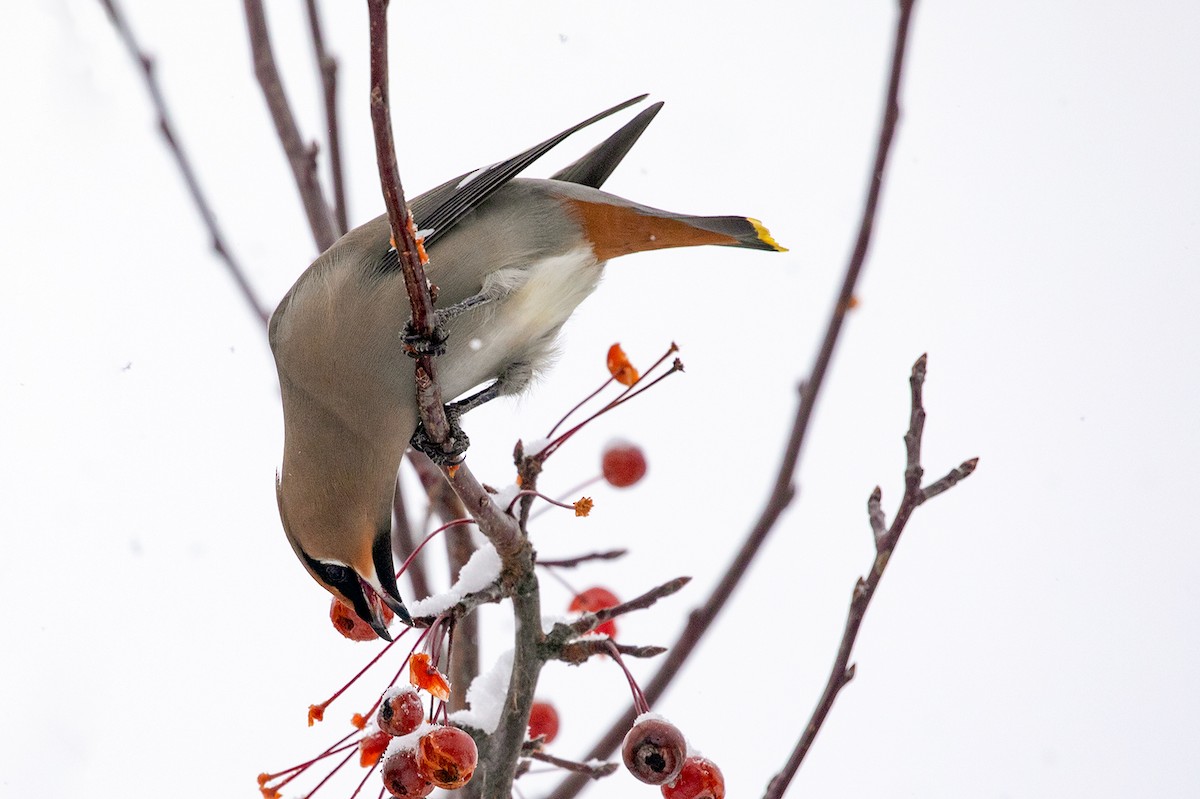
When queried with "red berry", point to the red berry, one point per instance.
{"points": [[543, 721], [347, 622], [371, 748], [401, 711], [623, 464], [654, 751], [699, 779], [447, 757], [402, 774], [597, 599]]}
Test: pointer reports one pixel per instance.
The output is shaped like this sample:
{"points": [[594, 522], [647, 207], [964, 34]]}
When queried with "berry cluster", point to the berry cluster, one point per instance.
{"points": [[656, 752], [420, 756]]}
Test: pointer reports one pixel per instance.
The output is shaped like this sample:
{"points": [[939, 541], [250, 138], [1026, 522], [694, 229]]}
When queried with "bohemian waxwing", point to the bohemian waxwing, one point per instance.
{"points": [[525, 252]]}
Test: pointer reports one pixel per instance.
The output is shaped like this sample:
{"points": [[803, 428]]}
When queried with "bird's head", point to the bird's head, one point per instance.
{"points": [[351, 561]]}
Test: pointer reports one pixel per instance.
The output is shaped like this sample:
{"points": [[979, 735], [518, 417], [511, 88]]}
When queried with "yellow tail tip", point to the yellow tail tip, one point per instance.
{"points": [[765, 236]]}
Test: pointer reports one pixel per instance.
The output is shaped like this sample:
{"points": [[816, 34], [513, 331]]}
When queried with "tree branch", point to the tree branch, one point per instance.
{"points": [[781, 495], [501, 750], [864, 588], [327, 66], [570, 563], [117, 16], [302, 159], [592, 771]]}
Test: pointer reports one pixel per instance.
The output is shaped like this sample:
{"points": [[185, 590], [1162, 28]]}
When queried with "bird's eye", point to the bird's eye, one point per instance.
{"points": [[335, 573]]}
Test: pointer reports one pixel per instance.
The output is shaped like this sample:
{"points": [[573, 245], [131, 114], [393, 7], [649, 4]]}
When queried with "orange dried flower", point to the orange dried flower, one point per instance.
{"points": [[315, 713], [620, 367], [423, 675], [583, 506]]}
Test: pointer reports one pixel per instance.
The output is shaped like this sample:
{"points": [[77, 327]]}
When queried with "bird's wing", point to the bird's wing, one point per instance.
{"points": [[438, 210], [595, 167]]}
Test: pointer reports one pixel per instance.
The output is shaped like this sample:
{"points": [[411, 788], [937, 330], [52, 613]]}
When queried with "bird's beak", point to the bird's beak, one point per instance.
{"points": [[398, 608], [375, 604]]}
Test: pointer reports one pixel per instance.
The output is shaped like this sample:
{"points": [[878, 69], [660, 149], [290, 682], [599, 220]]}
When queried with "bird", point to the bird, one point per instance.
{"points": [[511, 258]]}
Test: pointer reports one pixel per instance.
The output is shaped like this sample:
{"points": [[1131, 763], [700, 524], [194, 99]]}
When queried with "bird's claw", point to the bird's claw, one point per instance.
{"points": [[417, 344], [447, 454]]}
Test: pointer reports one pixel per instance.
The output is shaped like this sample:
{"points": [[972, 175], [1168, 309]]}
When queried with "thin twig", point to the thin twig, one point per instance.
{"points": [[864, 589], [592, 771], [568, 563], [117, 16], [327, 66], [783, 492], [583, 649], [301, 158], [646, 600]]}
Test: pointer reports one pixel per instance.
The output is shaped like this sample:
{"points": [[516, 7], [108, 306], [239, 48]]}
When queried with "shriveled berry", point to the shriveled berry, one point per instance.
{"points": [[372, 747], [623, 464], [401, 711], [698, 779], [654, 751], [593, 599], [402, 774], [447, 757], [347, 622], [543, 721]]}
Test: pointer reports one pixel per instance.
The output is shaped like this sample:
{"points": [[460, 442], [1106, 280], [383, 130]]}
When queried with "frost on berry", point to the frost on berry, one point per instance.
{"points": [[543, 721], [347, 622], [623, 464], [402, 774], [698, 779], [401, 711], [447, 757], [594, 599], [654, 750]]}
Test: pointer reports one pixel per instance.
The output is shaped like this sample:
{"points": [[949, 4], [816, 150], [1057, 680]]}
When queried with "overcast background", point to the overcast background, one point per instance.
{"points": [[1037, 634]]}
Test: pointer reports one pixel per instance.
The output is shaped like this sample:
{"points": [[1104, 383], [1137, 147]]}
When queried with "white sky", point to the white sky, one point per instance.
{"points": [[1038, 632]]}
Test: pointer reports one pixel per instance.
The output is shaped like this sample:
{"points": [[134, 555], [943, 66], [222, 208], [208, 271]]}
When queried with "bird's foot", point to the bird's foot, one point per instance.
{"points": [[449, 453], [417, 344]]}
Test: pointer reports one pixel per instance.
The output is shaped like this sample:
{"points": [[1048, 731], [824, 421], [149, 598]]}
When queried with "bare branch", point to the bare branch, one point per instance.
{"points": [[592, 771], [117, 16], [875, 515], [864, 589], [302, 158], [581, 649], [570, 563], [783, 491], [327, 67], [590, 620], [950, 480]]}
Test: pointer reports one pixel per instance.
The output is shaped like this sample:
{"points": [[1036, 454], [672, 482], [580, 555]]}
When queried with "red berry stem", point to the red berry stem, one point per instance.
{"points": [[539, 495], [639, 699], [581, 403], [335, 770], [429, 538], [363, 670], [366, 776], [396, 676], [622, 398], [297, 770]]}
